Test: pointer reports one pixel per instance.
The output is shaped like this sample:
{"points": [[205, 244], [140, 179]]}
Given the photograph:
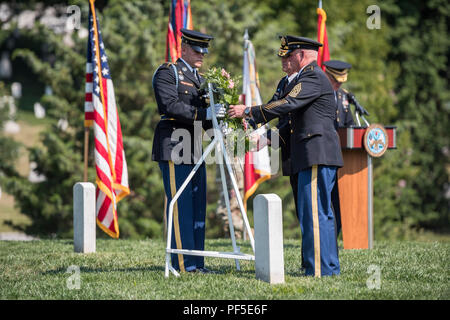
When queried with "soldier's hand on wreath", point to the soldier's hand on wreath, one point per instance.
{"points": [[237, 111]]}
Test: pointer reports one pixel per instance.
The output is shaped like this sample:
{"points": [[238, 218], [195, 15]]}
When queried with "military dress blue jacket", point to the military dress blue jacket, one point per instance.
{"points": [[180, 102], [311, 108]]}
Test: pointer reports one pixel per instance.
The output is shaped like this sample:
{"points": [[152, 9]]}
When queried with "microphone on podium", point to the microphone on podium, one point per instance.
{"points": [[358, 108]]}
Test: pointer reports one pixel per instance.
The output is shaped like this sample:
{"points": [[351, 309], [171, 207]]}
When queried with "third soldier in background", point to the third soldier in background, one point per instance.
{"points": [[337, 72]]}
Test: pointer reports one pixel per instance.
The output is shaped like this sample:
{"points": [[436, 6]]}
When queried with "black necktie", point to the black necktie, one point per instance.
{"points": [[285, 84], [196, 75]]}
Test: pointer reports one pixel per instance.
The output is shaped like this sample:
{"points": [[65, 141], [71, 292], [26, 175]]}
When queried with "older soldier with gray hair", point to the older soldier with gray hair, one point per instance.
{"points": [[315, 151]]}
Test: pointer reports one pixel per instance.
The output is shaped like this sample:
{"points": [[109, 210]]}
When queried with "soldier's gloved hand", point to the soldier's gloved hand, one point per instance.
{"points": [[219, 109]]}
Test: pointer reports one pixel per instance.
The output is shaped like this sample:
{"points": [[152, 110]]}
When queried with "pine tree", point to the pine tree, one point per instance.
{"points": [[420, 46], [9, 149]]}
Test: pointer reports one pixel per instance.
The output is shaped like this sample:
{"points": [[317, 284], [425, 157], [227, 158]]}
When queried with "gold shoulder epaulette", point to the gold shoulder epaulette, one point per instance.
{"points": [[346, 91]]}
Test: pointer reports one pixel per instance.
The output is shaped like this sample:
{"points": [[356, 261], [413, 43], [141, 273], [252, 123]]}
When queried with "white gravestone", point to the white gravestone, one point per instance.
{"points": [[84, 217], [63, 124], [39, 111], [33, 176], [269, 258], [16, 90], [11, 127]]}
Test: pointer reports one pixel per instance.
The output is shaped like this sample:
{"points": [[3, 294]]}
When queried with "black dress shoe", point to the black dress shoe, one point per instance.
{"points": [[205, 270]]}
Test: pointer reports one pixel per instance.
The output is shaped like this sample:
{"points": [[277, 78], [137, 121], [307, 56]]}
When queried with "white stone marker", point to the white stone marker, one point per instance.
{"points": [[269, 258], [84, 217]]}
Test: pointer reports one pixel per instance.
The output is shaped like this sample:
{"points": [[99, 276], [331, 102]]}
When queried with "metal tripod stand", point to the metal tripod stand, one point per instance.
{"points": [[221, 152]]}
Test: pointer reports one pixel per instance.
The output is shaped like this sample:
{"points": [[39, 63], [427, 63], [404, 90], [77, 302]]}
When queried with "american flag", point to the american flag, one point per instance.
{"points": [[101, 113]]}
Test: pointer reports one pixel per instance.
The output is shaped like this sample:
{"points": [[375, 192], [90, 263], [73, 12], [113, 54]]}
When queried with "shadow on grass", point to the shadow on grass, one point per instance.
{"points": [[225, 270], [248, 274], [99, 270], [228, 244]]}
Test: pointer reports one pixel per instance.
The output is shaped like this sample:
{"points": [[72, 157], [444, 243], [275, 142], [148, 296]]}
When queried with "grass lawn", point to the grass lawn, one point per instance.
{"points": [[127, 269]]}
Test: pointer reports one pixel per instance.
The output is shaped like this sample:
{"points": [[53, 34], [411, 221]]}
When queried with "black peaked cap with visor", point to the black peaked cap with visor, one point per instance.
{"points": [[197, 40], [290, 43]]}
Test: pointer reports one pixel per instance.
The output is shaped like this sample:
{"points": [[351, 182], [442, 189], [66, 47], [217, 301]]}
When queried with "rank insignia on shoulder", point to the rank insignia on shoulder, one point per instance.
{"points": [[296, 90]]}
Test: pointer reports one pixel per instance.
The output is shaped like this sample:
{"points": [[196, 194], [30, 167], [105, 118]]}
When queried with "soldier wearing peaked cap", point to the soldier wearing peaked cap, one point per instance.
{"points": [[337, 72], [181, 106], [315, 152]]}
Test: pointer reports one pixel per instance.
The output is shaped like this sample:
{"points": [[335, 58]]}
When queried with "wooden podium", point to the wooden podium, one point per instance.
{"points": [[356, 186]]}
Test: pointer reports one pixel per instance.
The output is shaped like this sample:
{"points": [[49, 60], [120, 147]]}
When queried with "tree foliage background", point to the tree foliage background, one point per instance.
{"points": [[399, 74]]}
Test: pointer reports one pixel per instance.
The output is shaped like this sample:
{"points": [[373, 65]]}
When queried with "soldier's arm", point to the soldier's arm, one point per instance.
{"points": [[306, 91], [166, 94]]}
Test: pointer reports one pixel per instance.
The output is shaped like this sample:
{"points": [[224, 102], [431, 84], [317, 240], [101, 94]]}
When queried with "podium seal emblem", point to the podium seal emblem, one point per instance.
{"points": [[376, 140]]}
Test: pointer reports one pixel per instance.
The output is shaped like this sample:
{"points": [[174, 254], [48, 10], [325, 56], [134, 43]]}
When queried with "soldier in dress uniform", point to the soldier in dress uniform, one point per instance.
{"points": [[181, 105], [337, 72], [315, 151], [282, 129]]}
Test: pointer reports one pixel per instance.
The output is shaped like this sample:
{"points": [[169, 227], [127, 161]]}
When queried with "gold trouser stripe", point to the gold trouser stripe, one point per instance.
{"points": [[315, 216], [173, 190]]}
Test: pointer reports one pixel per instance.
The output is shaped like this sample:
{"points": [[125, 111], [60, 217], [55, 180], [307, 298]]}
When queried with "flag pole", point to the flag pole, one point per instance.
{"points": [[86, 145], [86, 153]]}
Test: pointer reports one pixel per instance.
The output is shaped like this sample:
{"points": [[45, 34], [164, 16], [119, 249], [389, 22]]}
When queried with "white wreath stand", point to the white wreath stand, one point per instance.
{"points": [[220, 151]]}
